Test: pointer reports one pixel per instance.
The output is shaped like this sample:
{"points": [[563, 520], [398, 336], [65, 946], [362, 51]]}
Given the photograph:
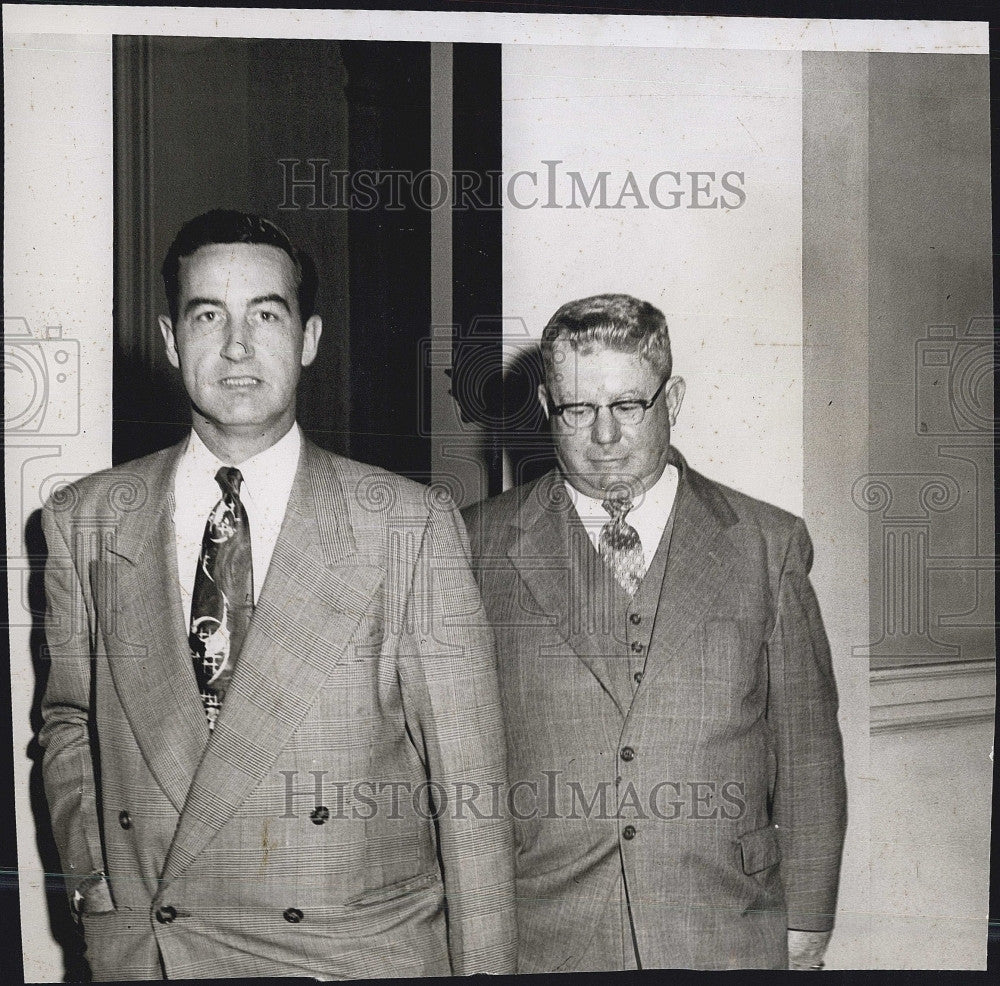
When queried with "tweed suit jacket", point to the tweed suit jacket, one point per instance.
{"points": [[724, 762], [299, 838]]}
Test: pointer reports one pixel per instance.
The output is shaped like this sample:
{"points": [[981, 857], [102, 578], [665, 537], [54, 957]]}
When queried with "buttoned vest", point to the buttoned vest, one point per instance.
{"points": [[633, 617]]}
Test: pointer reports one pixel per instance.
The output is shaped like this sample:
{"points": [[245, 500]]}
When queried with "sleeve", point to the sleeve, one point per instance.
{"points": [[450, 686], [67, 763], [810, 805]]}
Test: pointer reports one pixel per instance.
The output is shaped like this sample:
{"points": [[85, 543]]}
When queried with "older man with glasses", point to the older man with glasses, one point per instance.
{"points": [[676, 764]]}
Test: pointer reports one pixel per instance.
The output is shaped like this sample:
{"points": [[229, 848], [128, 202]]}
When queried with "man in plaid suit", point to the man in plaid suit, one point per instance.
{"points": [[675, 762], [282, 795]]}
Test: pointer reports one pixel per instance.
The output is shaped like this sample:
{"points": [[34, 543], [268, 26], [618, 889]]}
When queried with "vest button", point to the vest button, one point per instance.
{"points": [[627, 753], [635, 619], [637, 647], [124, 820], [166, 914], [628, 832], [293, 915], [319, 814], [637, 676]]}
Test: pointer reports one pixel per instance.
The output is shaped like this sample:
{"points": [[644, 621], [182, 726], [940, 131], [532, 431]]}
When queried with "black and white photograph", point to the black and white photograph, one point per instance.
{"points": [[497, 492]]}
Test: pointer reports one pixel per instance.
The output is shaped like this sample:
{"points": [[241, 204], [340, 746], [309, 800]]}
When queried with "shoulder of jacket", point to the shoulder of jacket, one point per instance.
{"points": [[109, 489], [503, 507], [377, 489], [771, 520]]}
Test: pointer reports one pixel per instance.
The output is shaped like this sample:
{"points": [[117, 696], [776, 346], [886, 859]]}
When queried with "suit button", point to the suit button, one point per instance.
{"points": [[637, 677], [628, 832], [627, 753], [635, 619], [293, 915], [637, 647], [319, 814], [166, 914], [124, 820]]}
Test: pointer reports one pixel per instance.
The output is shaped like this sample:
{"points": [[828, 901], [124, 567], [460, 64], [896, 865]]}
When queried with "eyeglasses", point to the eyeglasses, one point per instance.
{"points": [[583, 415]]}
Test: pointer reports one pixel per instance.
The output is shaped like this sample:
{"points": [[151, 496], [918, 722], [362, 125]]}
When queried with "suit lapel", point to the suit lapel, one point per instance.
{"points": [[315, 593], [144, 629], [699, 567], [556, 561]]}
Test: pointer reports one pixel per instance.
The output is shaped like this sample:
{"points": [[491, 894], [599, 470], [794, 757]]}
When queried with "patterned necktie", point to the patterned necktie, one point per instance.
{"points": [[619, 545], [222, 602]]}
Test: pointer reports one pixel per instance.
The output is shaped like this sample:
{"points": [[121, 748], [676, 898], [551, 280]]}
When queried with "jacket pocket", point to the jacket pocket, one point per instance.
{"points": [[760, 849], [394, 891]]}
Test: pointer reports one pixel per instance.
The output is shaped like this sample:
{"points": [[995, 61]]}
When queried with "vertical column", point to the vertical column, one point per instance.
{"points": [[442, 409], [930, 370], [473, 447], [450, 465]]}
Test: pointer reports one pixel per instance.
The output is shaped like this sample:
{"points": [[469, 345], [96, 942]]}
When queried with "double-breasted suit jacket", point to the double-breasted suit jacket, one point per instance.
{"points": [[300, 838], [718, 753]]}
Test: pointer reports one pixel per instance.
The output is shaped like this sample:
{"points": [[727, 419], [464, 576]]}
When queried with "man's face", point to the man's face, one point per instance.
{"points": [[239, 341], [607, 455]]}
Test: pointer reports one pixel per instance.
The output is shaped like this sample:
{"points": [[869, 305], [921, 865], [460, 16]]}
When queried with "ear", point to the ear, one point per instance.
{"points": [[543, 399], [310, 342], [169, 341], [674, 396]]}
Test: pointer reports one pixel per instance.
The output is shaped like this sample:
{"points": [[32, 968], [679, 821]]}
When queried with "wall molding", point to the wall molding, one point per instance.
{"points": [[932, 695]]}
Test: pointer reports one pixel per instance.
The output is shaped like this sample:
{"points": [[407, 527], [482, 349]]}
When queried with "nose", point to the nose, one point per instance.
{"points": [[238, 344], [605, 430]]}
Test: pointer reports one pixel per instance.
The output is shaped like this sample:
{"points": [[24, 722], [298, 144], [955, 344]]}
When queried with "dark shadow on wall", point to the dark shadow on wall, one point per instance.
{"points": [[525, 432], [502, 400], [61, 925]]}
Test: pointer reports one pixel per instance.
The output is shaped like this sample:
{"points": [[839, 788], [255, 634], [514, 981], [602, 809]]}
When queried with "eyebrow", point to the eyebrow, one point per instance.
{"points": [[196, 302], [276, 299]]}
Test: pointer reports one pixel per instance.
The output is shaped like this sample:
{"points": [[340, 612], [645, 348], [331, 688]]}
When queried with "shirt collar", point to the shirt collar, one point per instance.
{"points": [[266, 471], [656, 502]]}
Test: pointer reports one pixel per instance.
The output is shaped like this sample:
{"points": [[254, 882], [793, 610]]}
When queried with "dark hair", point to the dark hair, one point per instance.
{"points": [[230, 226], [617, 321]]}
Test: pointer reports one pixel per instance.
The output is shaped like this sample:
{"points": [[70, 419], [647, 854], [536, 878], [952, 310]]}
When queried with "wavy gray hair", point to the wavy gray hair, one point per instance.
{"points": [[617, 321]]}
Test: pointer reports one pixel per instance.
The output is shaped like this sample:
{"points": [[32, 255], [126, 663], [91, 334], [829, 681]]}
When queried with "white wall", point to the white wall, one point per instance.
{"points": [[57, 272], [728, 280]]}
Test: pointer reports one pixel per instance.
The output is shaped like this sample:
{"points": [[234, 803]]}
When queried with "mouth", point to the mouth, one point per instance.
{"points": [[240, 383]]}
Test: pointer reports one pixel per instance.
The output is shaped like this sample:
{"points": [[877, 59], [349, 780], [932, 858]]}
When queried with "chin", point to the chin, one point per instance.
{"points": [[602, 486], [613, 477]]}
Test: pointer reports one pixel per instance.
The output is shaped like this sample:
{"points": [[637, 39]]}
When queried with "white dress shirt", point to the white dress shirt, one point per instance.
{"points": [[648, 516], [267, 484]]}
